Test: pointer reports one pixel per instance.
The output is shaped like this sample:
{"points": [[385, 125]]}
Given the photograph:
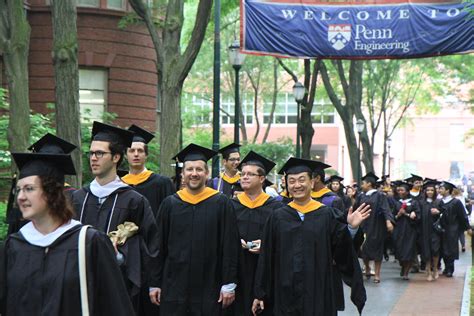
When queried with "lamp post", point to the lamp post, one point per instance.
{"points": [[389, 145], [298, 91], [360, 125], [236, 59]]}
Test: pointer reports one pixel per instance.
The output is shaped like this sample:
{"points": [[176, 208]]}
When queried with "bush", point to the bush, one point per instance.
{"points": [[3, 223]]}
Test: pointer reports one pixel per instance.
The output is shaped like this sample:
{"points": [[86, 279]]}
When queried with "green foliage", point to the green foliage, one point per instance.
{"points": [[3, 223]]}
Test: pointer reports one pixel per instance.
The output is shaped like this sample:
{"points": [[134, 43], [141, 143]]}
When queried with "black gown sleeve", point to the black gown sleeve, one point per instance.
{"points": [[163, 231], [108, 285], [264, 274], [347, 263], [231, 245]]}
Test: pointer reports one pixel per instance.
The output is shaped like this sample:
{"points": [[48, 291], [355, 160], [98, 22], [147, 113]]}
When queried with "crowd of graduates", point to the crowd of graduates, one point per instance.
{"points": [[138, 243]]}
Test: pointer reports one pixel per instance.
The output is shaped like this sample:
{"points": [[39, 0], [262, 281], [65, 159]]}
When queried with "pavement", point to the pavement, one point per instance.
{"points": [[396, 297]]}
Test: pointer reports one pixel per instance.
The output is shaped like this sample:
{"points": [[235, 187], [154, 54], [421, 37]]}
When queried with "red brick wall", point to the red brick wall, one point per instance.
{"points": [[127, 54]]}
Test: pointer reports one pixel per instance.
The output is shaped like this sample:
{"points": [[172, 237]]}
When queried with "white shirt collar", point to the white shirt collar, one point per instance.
{"points": [[370, 192], [447, 199], [34, 237], [102, 191]]}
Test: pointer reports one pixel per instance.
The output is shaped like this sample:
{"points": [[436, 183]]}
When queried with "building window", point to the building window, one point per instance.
{"points": [[228, 109], [92, 94], [197, 109], [285, 110], [286, 107], [88, 3], [323, 113], [116, 4]]}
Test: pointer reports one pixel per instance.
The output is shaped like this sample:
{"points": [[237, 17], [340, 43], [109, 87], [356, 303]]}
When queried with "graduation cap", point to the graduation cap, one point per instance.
{"points": [[385, 177], [52, 144], [405, 184], [44, 164], [395, 183], [430, 183], [414, 178], [141, 135], [370, 177], [109, 133], [194, 152], [253, 158], [335, 178], [298, 165], [447, 185], [229, 149]]}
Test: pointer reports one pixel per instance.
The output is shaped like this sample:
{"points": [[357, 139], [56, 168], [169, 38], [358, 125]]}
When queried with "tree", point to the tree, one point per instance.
{"points": [[348, 107], [14, 47], [387, 98], [66, 75], [310, 83], [172, 66]]}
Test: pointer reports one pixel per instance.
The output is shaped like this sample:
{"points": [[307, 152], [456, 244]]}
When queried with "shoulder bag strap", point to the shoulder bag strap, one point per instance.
{"points": [[83, 271]]}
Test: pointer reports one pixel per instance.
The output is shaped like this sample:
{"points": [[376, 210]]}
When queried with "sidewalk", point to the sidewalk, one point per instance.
{"points": [[443, 297], [417, 296]]}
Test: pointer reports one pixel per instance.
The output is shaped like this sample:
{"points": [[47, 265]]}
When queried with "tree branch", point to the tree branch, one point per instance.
{"points": [[288, 70]]}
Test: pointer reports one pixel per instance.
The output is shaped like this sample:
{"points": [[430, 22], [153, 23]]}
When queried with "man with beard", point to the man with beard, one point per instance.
{"points": [[198, 242]]}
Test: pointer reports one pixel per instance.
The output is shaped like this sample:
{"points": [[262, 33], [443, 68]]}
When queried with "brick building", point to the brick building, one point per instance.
{"points": [[117, 66]]}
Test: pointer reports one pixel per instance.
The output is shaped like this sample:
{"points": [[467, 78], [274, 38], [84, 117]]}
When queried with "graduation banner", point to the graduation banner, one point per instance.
{"points": [[349, 30]]}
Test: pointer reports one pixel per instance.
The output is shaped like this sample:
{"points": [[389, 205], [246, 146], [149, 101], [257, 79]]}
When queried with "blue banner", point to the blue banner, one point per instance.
{"points": [[306, 29]]}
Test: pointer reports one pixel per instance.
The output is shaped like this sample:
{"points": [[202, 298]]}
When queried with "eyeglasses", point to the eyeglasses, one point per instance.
{"points": [[98, 154], [249, 174], [27, 189]]}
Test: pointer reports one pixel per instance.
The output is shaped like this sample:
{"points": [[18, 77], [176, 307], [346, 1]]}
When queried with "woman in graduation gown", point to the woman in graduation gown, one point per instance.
{"points": [[407, 215], [430, 239], [301, 241], [39, 270]]}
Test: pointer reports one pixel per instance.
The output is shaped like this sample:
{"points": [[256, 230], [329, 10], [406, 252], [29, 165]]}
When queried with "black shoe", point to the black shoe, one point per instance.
{"points": [[422, 266], [463, 249], [449, 275], [445, 272], [385, 256]]}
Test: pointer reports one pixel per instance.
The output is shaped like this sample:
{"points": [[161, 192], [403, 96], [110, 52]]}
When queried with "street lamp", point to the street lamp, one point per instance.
{"points": [[389, 145], [298, 91], [360, 125], [236, 59]]}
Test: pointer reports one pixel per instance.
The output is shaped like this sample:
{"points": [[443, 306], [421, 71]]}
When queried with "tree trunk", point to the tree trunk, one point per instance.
{"points": [[172, 68], [171, 126], [14, 45], [66, 76], [274, 100]]}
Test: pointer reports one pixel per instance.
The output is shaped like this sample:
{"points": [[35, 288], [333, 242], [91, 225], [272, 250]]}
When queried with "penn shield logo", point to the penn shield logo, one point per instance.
{"points": [[339, 35]]}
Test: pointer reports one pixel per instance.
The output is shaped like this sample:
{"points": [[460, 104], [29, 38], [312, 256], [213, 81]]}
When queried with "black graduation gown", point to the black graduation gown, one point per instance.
{"points": [[250, 223], [333, 200], [224, 187], [45, 281], [405, 231], [374, 226], [454, 220], [430, 240], [124, 205], [295, 268], [156, 188], [199, 246]]}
